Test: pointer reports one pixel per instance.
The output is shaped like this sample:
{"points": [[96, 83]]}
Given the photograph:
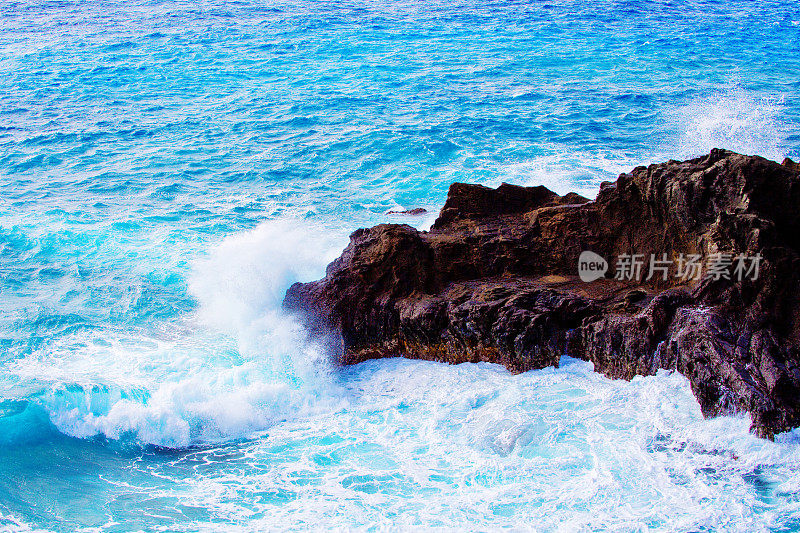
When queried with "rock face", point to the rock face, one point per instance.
{"points": [[495, 279]]}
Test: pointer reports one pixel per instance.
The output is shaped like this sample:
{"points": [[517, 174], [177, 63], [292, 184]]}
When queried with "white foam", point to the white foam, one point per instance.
{"points": [[736, 120], [237, 367], [240, 285], [426, 445], [10, 524], [567, 171], [211, 406]]}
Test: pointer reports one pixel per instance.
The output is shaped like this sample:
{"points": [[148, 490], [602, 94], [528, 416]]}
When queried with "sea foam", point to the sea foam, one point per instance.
{"points": [[235, 367]]}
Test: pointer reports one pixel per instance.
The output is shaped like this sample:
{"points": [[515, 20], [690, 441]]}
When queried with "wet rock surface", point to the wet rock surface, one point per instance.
{"points": [[411, 212], [495, 279]]}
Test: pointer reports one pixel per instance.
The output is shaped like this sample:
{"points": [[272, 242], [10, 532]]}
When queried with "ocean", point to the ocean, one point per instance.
{"points": [[169, 168]]}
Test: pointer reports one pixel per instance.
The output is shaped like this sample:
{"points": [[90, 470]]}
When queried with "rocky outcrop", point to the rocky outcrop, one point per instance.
{"points": [[495, 279]]}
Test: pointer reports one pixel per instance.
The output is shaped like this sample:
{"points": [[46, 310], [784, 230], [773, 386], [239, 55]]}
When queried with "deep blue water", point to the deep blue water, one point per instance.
{"points": [[167, 169]]}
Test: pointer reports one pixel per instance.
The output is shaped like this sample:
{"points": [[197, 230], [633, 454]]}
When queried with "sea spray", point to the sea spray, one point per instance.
{"points": [[735, 119], [238, 366], [240, 287]]}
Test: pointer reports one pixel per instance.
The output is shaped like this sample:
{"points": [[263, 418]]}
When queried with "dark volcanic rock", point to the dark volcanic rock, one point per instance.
{"points": [[495, 280], [413, 212]]}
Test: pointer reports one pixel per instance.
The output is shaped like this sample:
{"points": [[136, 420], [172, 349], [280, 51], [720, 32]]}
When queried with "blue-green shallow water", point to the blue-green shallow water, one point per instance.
{"points": [[167, 169]]}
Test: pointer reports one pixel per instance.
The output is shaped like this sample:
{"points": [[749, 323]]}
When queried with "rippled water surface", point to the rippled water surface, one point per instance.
{"points": [[167, 169]]}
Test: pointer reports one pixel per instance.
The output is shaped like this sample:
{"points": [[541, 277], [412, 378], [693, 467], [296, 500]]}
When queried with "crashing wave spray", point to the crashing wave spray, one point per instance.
{"points": [[737, 120], [235, 368]]}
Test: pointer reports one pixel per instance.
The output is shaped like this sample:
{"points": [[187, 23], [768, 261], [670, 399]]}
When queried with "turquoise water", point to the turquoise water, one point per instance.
{"points": [[167, 169]]}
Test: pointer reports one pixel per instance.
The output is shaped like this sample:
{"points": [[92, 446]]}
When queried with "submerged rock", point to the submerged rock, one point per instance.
{"points": [[495, 279], [413, 212]]}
